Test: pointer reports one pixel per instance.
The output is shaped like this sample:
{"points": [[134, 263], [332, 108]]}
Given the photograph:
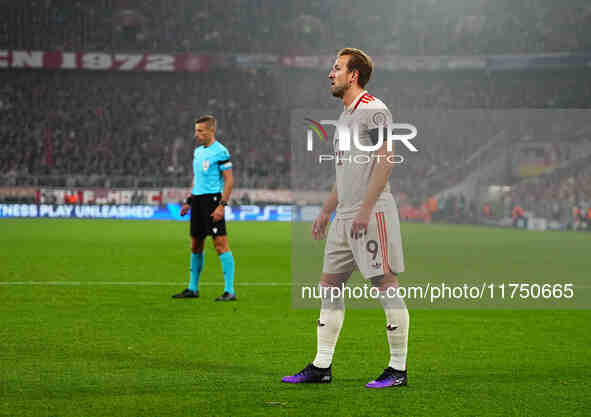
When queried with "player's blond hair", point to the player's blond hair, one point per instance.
{"points": [[209, 120], [359, 61]]}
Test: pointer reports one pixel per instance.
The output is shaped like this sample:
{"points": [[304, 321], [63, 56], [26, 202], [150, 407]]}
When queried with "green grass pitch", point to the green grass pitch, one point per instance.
{"points": [[99, 334]]}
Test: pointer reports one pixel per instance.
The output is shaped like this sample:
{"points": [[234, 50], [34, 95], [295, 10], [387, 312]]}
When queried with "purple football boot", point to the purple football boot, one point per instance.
{"points": [[389, 378], [310, 374]]}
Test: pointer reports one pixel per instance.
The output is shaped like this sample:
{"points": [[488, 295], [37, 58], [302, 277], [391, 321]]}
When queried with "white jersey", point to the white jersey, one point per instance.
{"points": [[354, 166]]}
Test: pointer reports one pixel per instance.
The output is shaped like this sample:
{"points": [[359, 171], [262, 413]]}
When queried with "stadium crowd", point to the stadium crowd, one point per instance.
{"points": [[122, 125], [418, 27], [563, 195], [140, 125]]}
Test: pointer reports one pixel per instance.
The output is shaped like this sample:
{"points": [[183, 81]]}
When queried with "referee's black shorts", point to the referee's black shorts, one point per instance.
{"points": [[202, 224]]}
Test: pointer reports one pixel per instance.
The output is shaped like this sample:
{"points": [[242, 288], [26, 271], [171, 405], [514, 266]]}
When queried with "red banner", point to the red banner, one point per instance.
{"points": [[100, 61], [99, 196]]}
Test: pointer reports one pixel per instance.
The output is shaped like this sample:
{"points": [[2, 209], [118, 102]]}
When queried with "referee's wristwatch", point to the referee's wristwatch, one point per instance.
{"points": [[223, 203]]}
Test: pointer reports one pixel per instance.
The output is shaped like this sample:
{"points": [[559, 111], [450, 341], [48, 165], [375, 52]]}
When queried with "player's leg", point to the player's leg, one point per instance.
{"points": [[329, 324], [377, 255], [397, 324], [332, 315], [220, 243], [337, 268]]}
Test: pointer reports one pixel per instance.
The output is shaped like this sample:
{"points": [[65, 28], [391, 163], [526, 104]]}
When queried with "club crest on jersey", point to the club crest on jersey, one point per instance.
{"points": [[205, 165], [379, 119]]}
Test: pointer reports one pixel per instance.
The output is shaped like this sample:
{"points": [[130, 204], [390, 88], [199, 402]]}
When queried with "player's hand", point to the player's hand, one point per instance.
{"points": [[359, 225], [185, 209], [319, 226], [218, 214]]}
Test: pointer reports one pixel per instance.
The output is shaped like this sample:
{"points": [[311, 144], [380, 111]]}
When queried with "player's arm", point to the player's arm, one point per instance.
{"points": [[331, 202], [186, 205], [377, 182], [319, 226], [379, 177]]}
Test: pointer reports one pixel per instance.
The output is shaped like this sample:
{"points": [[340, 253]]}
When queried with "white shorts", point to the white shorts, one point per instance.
{"points": [[372, 254]]}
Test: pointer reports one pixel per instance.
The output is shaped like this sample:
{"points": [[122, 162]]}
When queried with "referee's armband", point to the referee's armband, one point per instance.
{"points": [[224, 165]]}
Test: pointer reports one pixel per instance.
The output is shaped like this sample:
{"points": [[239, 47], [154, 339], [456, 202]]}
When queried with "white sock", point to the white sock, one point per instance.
{"points": [[332, 315], [396, 330]]}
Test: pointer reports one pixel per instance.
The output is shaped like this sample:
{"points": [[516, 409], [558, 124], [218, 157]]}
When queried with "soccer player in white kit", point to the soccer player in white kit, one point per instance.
{"points": [[366, 230]]}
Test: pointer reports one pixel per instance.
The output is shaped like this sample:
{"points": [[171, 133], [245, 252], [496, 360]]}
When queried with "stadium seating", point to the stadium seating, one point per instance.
{"points": [[305, 27]]}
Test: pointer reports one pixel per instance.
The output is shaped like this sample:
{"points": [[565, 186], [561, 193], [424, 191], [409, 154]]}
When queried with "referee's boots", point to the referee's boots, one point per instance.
{"points": [[187, 293], [226, 296]]}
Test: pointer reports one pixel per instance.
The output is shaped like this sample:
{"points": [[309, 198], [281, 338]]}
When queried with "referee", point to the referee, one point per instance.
{"points": [[212, 185]]}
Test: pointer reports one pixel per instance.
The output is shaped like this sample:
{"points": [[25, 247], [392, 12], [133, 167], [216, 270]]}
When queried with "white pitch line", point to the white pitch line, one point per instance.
{"points": [[138, 283]]}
